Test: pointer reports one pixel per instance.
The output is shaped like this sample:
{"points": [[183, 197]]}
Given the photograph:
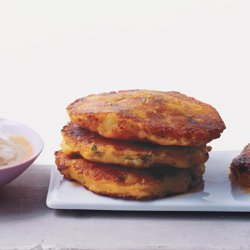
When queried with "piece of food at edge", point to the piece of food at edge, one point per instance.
{"points": [[94, 147], [164, 118], [14, 149], [240, 167]]}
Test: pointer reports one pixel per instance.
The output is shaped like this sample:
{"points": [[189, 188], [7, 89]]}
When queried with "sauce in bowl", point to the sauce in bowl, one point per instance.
{"points": [[14, 149]]}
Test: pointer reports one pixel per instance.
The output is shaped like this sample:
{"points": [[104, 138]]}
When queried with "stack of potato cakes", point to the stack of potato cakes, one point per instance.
{"points": [[137, 144]]}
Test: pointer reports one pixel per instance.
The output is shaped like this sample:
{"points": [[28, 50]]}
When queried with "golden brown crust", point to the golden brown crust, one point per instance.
{"points": [[241, 166], [123, 182], [165, 118], [94, 147]]}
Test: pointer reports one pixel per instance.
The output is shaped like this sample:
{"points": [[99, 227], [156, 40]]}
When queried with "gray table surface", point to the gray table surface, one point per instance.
{"points": [[26, 223]]}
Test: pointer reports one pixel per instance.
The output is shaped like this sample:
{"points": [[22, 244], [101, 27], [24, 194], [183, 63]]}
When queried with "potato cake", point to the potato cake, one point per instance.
{"points": [[165, 118], [241, 166], [125, 182], [94, 147]]}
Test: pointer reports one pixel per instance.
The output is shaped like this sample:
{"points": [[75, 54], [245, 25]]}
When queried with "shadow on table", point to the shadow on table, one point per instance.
{"points": [[26, 195], [154, 215]]}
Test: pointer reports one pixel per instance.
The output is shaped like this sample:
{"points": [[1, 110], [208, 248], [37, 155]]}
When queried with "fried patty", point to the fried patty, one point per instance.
{"points": [[94, 147], [165, 118], [127, 183], [240, 166]]}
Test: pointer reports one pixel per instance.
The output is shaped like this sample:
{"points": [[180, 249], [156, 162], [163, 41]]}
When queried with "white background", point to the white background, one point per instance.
{"points": [[52, 52]]}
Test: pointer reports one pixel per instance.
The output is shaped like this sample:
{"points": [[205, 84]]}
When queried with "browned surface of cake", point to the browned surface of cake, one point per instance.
{"points": [[164, 118], [122, 182], [94, 147]]}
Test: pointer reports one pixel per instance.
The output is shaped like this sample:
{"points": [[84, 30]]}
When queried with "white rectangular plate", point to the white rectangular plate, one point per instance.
{"points": [[218, 194]]}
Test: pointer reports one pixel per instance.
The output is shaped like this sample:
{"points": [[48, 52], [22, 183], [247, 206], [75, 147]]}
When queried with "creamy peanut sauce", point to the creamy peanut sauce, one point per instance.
{"points": [[14, 149]]}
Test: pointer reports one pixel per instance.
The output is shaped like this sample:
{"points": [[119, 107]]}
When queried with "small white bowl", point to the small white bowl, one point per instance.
{"points": [[10, 172]]}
